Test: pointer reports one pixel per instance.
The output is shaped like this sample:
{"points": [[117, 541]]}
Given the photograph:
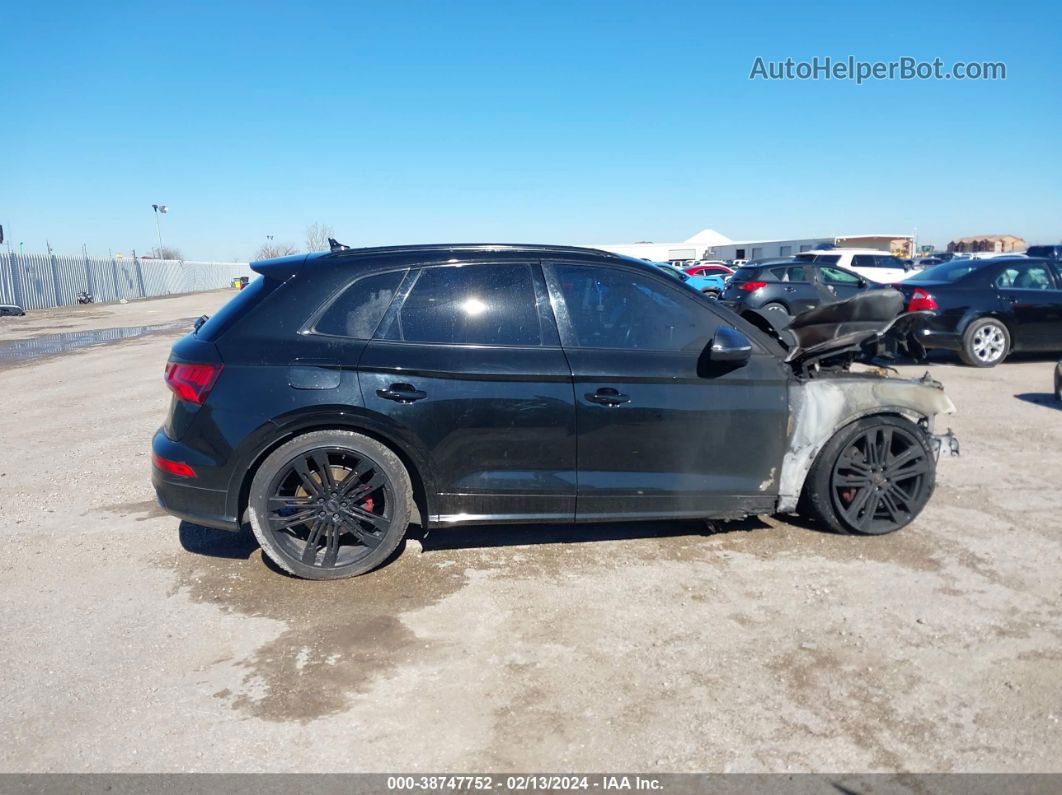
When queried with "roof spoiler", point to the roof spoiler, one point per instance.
{"points": [[280, 268]]}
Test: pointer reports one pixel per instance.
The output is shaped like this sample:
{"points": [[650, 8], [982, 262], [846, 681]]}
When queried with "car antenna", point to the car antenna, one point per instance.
{"points": [[334, 245]]}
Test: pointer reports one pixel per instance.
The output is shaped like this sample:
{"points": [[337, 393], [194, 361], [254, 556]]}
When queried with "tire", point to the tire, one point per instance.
{"points": [[302, 496], [774, 306], [985, 343], [893, 494], [710, 292]]}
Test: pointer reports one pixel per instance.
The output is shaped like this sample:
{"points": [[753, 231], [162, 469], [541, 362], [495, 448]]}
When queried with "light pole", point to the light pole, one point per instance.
{"points": [[159, 208]]}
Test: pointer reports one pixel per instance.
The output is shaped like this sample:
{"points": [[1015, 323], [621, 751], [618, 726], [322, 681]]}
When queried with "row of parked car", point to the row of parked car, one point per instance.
{"points": [[982, 309]]}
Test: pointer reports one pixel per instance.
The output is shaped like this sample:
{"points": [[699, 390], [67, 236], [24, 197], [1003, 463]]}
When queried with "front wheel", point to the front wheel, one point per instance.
{"points": [[873, 477], [985, 343], [330, 504]]}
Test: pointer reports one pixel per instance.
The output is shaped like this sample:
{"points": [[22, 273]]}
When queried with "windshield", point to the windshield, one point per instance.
{"points": [[946, 271]]}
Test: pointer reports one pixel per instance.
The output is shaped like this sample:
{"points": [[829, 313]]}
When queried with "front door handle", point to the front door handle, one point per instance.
{"points": [[607, 396], [401, 393], [790, 289]]}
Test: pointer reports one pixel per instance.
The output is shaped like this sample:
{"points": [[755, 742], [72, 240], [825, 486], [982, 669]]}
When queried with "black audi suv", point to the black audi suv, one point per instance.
{"points": [[342, 395]]}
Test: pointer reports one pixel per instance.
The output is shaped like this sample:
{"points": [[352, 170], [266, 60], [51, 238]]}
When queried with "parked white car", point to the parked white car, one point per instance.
{"points": [[873, 264]]}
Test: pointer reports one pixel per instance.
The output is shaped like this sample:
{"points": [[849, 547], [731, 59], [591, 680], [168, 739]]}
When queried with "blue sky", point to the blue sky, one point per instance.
{"points": [[568, 122]]}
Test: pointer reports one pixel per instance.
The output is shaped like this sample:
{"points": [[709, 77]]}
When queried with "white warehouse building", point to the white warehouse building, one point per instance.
{"points": [[709, 244]]}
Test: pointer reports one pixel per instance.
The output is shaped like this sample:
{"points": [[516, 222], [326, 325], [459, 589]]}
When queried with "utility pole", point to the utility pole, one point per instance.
{"points": [[159, 208]]}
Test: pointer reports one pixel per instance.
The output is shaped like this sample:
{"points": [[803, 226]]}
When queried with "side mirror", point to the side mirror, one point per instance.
{"points": [[729, 345]]}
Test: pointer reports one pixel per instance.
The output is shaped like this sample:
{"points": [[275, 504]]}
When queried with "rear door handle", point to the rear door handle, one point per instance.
{"points": [[402, 393], [607, 396], [790, 289]]}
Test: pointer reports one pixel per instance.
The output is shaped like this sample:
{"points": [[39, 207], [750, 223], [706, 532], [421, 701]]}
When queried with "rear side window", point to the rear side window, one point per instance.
{"points": [[839, 276], [359, 309], [470, 305], [240, 304], [828, 259], [1026, 276], [789, 274]]}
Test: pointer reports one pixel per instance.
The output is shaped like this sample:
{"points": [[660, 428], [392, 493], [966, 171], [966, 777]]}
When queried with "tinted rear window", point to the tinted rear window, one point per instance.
{"points": [[946, 271], [237, 307]]}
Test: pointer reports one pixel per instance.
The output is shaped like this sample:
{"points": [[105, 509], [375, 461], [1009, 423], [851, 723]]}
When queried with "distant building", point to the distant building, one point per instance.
{"points": [[995, 243], [709, 244]]}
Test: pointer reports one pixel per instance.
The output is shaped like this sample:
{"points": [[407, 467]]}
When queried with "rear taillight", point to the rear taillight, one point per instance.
{"points": [[191, 382], [178, 468], [920, 300], [751, 286]]}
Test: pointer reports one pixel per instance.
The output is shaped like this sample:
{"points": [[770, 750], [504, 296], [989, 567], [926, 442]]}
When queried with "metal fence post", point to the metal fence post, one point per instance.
{"points": [[140, 274], [16, 280], [90, 282], [56, 285], [114, 273]]}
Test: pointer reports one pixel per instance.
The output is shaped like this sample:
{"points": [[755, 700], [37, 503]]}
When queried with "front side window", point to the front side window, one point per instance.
{"points": [[489, 304], [864, 261], [1025, 276], [615, 308], [359, 309], [829, 259]]}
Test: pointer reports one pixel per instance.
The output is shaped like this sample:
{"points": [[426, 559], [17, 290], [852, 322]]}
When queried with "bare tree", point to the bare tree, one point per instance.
{"points": [[317, 236], [167, 252], [271, 250]]}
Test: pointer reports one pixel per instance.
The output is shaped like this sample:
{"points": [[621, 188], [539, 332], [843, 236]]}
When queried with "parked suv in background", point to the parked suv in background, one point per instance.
{"points": [[790, 286], [341, 394], [1047, 252], [875, 265]]}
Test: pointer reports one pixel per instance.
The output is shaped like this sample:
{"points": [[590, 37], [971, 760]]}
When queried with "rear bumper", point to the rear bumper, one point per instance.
{"points": [[933, 337], [183, 497]]}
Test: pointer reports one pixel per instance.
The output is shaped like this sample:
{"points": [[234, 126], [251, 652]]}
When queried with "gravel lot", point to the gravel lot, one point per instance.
{"points": [[133, 643]]}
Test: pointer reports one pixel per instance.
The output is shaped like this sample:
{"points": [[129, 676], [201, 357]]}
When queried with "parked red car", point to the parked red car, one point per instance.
{"points": [[709, 270]]}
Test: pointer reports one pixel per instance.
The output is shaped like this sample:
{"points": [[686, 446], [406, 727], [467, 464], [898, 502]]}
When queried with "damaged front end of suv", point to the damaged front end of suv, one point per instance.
{"points": [[862, 443]]}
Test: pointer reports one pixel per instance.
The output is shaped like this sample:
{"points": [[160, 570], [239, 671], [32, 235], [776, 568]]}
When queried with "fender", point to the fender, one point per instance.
{"points": [[821, 407], [354, 418]]}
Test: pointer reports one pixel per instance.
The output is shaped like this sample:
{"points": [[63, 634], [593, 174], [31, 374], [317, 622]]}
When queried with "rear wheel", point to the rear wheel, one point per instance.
{"points": [[873, 477], [774, 306], [985, 343], [330, 504]]}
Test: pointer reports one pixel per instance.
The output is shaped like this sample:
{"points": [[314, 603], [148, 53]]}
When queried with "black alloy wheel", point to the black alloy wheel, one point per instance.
{"points": [[873, 477], [330, 510]]}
